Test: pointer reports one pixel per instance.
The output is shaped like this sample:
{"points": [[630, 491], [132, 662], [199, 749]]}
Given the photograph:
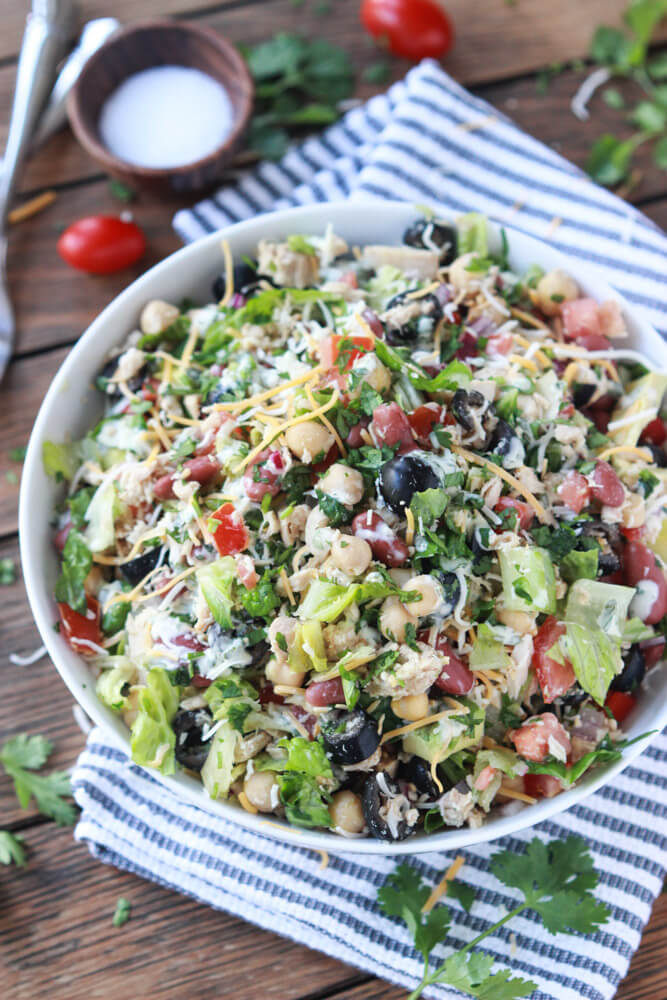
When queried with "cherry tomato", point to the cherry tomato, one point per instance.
{"points": [[232, 535], [639, 565], [423, 419], [533, 738], [620, 704], [553, 677], [606, 486], [542, 786], [655, 432], [391, 426], [101, 244], [414, 29], [455, 677], [524, 511], [633, 534], [574, 491], [81, 630]]}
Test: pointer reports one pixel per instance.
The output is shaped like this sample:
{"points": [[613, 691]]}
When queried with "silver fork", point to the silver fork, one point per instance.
{"points": [[44, 43]]}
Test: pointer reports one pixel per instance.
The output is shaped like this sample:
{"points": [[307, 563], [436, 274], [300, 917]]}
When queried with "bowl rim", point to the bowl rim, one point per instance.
{"points": [[191, 789], [115, 164]]}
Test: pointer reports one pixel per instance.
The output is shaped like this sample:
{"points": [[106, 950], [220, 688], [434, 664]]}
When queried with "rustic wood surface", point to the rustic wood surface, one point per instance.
{"points": [[56, 937]]}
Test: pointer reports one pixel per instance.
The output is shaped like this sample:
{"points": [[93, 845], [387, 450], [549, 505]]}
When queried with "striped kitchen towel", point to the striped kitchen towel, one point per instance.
{"points": [[426, 140]]}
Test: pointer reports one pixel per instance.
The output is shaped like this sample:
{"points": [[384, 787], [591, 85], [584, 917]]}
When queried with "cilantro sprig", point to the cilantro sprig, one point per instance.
{"points": [[20, 757], [555, 880]]}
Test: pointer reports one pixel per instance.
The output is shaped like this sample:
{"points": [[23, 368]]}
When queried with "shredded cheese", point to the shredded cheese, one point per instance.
{"points": [[324, 863], [246, 803], [287, 585], [160, 432], [628, 449], [277, 431], [410, 532], [31, 207], [133, 595], [510, 793], [434, 774], [229, 274], [511, 480], [420, 293], [632, 418], [327, 423], [570, 372], [426, 721], [529, 319], [523, 362], [441, 888], [486, 682], [244, 404]]}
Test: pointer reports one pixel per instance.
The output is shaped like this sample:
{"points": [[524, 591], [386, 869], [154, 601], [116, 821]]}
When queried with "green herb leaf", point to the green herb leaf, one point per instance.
{"points": [[462, 893], [609, 160], [122, 912], [660, 153], [7, 572], [650, 116], [120, 191], [18, 454], [613, 98], [76, 563], [12, 849], [22, 755], [377, 72]]}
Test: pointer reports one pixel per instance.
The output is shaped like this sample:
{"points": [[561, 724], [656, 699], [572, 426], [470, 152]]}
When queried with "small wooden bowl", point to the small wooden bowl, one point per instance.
{"points": [[143, 46]]}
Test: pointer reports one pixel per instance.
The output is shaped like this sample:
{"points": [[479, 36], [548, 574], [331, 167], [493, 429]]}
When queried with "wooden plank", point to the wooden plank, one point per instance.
{"points": [[58, 940]]}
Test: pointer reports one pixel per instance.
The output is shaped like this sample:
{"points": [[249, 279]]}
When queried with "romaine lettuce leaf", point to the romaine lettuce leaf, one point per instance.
{"points": [[216, 774], [59, 460], [110, 683], [216, 581], [304, 800], [595, 657], [100, 516], [306, 756], [153, 739]]}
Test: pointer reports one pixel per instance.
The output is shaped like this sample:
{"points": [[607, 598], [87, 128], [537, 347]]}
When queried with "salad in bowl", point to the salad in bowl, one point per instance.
{"points": [[373, 542]]}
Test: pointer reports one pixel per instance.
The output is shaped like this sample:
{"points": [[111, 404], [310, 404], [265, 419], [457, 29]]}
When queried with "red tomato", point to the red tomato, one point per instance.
{"points": [[532, 739], [391, 426], [639, 565], [423, 419], [653, 650], [580, 318], [232, 535], [414, 29], [263, 475], [593, 342], [499, 344], [542, 786], [101, 244], [81, 630], [574, 491], [633, 534], [188, 641], [325, 693], [620, 704], [524, 511], [455, 677], [245, 568], [655, 432], [606, 487], [385, 545], [268, 695], [330, 349], [554, 678]]}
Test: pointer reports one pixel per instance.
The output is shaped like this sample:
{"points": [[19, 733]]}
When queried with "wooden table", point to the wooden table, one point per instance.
{"points": [[56, 937]]}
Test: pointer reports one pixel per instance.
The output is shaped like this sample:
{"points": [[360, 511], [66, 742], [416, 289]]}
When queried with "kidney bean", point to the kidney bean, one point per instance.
{"points": [[325, 693], [455, 677], [385, 545], [263, 476]]}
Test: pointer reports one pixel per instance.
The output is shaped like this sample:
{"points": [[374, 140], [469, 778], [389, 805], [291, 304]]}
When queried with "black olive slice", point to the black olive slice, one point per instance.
{"points": [[136, 569], [377, 792], [634, 669], [349, 737], [190, 750], [402, 477], [432, 234]]}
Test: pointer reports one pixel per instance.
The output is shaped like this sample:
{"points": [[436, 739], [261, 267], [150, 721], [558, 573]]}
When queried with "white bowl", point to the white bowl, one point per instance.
{"points": [[72, 404]]}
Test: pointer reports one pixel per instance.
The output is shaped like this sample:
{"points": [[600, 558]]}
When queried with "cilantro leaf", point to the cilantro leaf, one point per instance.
{"points": [[77, 561], [471, 973], [11, 849], [122, 912], [24, 754], [462, 893], [336, 512], [428, 507], [403, 895]]}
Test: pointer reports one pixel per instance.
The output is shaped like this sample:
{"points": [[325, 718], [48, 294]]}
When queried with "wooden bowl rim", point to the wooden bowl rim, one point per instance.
{"points": [[114, 164]]}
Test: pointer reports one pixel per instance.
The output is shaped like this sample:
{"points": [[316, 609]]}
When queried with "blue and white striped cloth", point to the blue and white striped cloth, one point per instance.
{"points": [[415, 143]]}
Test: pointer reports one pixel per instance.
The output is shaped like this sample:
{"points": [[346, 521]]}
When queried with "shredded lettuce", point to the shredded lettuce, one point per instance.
{"points": [[306, 756], [59, 460], [488, 652], [473, 234], [153, 739], [307, 651], [216, 581], [326, 601], [100, 515], [595, 657], [112, 682], [217, 772]]}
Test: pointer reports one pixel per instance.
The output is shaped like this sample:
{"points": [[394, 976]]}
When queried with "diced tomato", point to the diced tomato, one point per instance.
{"points": [[554, 678], [567, 410], [455, 678], [81, 630], [653, 650], [385, 545], [523, 510], [574, 491], [533, 738], [330, 349], [267, 695], [655, 432], [390, 426], [593, 342], [323, 693], [639, 565], [620, 704], [580, 318], [484, 778], [263, 475], [499, 344], [542, 786], [423, 419], [605, 485], [349, 278], [633, 534], [232, 535], [245, 568]]}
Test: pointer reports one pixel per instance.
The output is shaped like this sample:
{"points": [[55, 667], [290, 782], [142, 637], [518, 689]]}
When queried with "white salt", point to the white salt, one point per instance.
{"points": [[168, 116]]}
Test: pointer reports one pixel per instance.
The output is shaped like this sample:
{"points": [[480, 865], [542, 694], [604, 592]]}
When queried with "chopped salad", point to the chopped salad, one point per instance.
{"points": [[375, 540]]}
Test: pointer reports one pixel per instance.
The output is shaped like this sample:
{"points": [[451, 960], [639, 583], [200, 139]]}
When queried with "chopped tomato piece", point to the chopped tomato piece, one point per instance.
{"points": [[633, 534], [620, 704], [606, 487], [524, 511], [484, 778], [245, 568], [499, 344], [553, 677], [330, 349], [580, 318], [535, 740], [655, 432], [231, 536], [542, 786], [79, 630], [640, 567], [423, 419], [574, 491]]}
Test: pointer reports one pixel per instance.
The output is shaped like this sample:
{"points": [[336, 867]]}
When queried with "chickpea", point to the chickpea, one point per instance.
{"points": [[520, 621], [393, 618], [280, 673], [343, 484], [157, 315], [309, 440], [431, 595], [411, 708], [258, 789], [459, 276], [346, 812], [553, 289], [633, 511], [351, 555]]}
